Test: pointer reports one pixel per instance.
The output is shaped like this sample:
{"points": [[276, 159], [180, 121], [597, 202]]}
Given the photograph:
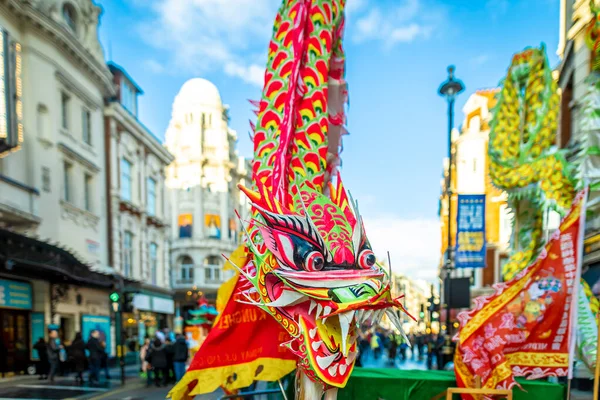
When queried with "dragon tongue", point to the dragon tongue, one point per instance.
{"points": [[345, 321]]}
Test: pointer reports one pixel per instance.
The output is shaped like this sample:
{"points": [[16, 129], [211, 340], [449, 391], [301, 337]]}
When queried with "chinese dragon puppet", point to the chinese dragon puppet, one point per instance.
{"points": [[537, 177], [307, 264]]}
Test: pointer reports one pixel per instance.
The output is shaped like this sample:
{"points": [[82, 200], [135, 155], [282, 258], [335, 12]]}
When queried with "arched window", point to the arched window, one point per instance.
{"points": [[186, 266], [212, 268], [43, 123], [70, 16]]}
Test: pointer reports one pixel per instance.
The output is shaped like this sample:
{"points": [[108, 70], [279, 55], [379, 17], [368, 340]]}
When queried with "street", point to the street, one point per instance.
{"points": [[64, 388]]}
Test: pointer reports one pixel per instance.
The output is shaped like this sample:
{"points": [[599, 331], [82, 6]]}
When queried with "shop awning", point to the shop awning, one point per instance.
{"points": [[36, 259]]}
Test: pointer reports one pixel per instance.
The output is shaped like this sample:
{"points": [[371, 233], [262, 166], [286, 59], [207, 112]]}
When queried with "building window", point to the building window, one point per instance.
{"points": [[87, 184], [126, 180], [212, 268], [43, 123], [127, 253], [151, 197], [154, 263], [11, 93], [46, 179], [67, 172], [70, 16], [64, 104], [128, 97], [86, 127], [187, 269]]}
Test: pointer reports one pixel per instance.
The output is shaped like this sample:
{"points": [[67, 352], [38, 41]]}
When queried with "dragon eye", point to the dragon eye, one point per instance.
{"points": [[366, 259], [314, 261]]}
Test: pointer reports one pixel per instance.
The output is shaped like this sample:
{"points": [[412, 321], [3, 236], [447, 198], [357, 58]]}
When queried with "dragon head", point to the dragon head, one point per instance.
{"points": [[312, 268]]}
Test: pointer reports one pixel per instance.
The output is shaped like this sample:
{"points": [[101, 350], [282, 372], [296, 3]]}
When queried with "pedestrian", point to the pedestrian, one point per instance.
{"points": [[157, 357], [363, 348], [375, 347], [170, 366], [146, 367], [392, 348], [180, 356], [105, 360], [95, 357], [42, 365], [76, 353], [54, 348]]}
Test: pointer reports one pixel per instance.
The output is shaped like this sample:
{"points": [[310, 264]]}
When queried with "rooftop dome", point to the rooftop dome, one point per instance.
{"points": [[199, 92]]}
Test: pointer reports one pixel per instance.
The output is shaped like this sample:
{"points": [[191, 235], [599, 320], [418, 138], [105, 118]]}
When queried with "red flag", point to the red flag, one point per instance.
{"points": [[243, 345], [524, 328]]}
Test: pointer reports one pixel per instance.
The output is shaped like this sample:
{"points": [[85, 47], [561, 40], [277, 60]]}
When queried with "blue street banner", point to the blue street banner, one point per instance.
{"points": [[37, 331], [101, 323], [470, 232], [15, 294]]}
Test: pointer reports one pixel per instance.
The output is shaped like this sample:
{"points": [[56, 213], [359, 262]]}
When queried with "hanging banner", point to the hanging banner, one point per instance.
{"points": [[470, 232], [100, 323], [525, 327]]}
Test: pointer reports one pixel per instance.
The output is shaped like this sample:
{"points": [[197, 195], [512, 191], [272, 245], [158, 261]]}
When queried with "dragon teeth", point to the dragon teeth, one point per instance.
{"points": [[359, 316], [315, 345], [351, 357], [343, 368], [345, 320], [333, 370], [367, 315], [326, 311], [312, 306], [312, 333], [325, 362], [319, 310]]}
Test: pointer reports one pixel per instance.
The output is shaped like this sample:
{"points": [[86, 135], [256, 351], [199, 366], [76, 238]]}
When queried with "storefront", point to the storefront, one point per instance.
{"points": [[154, 312], [15, 338], [42, 285]]}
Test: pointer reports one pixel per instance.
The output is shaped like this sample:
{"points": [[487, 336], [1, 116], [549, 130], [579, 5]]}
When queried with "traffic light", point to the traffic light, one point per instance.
{"points": [[422, 312], [128, 302], [114, 297]]}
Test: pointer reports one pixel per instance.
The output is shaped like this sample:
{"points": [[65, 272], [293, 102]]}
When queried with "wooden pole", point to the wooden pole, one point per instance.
{"points": [[597, 373]]}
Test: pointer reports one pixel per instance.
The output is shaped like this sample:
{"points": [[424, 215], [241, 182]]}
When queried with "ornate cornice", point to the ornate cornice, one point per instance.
{"points": [[26, 12]]}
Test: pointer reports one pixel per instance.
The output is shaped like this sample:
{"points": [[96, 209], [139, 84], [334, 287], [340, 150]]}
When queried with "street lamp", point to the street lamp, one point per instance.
{"points": [[449, 89]]}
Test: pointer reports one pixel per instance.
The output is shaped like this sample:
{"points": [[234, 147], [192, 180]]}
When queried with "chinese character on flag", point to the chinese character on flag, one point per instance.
{"points": [[524, 328]]}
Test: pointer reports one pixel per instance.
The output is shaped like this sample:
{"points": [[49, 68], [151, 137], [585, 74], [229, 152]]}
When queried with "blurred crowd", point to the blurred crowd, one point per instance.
{"points": [[436, 349], [163, 358]]}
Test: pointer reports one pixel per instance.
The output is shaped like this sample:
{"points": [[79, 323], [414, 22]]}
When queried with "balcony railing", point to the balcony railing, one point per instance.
{"points": [[199, 278], [18, 202]]}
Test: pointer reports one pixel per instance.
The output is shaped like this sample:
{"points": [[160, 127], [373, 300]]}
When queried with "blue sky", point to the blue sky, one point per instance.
{"points": [[397, 53]]}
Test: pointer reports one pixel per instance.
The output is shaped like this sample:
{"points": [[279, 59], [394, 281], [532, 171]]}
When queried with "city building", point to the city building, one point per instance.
{"points": [[416, 296], [470, 176], [137, 209], [53, 266], [574, 72], [203, 188]]}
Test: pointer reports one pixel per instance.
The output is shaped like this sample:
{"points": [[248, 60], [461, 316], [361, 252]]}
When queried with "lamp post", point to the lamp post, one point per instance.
{"points": [[449, 89]]}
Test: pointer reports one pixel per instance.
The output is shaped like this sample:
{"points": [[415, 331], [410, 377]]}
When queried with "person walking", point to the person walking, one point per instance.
{"points": [[104, 363], [95, 358], [146, 367], [375, 347], [42, 365], [76, 353], [53, 354], [170, 366], [180, 356], [157, 357]]}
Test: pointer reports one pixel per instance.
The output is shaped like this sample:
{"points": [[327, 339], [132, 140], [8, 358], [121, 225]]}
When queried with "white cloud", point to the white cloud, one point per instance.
{"points": [[414, 244], [253, 73], [154, 66], [401, 23], [199, 36]]}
